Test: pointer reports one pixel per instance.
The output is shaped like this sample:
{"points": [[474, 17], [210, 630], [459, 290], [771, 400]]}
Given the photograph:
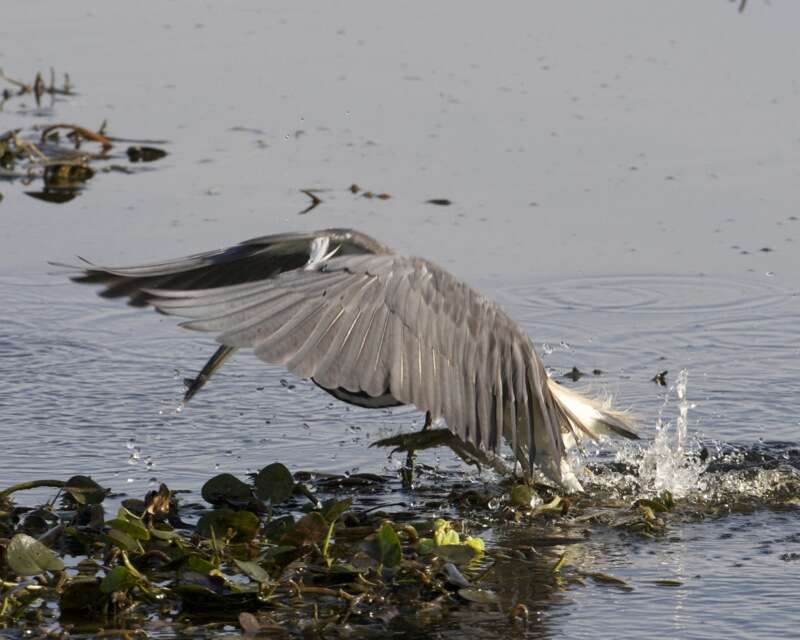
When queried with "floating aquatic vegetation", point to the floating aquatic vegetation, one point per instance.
{"points": [[269, 547], [308, 553], [38, 88], [62, 161], [139, 153]]}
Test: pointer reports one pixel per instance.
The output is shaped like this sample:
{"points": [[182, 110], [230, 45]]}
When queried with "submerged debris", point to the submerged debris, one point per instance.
{"points": [[575, 374], [660, 378], [140, 153], [60, 161]]}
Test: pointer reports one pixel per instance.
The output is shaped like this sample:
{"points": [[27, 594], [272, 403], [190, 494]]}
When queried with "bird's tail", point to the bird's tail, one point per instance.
{"points": [[588, 418]]}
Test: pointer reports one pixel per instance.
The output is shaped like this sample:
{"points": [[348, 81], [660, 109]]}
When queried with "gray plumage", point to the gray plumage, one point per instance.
{"points": [[374, 328]]}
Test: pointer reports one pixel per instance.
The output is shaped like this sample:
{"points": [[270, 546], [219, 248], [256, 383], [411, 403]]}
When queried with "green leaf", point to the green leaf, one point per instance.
{"points": [[326, 543], [196, 562], [28, 557], [274, 483], [333, 508], [522, 496], [456, 553], [555, 506], [253, 570], [606, 579], [120, 578], [164, 534], [84, 490], [226, 488], [310, 529], [443, 534], [244, 523], [129, 524], [385, 547], [124, 541], [475, 543], [426, 546], [278, 527]]}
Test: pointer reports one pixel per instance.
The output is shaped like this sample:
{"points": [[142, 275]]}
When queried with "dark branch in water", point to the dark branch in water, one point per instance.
{"points": [[32, 484], [79, 132], [315, 201]]}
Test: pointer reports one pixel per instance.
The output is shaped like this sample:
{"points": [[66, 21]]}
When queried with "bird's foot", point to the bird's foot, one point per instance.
{"points": [[430, 438]]}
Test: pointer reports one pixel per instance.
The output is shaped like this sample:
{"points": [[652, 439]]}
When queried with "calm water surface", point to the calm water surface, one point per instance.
{"points": [[624, 178]]}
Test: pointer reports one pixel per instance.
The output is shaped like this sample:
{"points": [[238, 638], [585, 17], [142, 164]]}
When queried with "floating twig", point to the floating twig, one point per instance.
{"points": [[80, 132], [315, 201]]}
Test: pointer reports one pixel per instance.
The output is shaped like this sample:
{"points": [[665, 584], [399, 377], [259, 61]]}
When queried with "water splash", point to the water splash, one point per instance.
{"points": [[665, 465]]}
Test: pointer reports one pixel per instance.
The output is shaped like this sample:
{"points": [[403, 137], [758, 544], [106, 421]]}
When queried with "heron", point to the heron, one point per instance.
{"points": [[376, 329]]}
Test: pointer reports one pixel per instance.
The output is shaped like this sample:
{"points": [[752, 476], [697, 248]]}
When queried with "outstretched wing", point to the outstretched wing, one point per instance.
{"points": [[382, 322], [253, 260]]}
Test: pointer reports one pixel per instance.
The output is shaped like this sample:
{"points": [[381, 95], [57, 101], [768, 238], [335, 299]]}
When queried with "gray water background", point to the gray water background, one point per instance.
{"points": [[615, 169]]}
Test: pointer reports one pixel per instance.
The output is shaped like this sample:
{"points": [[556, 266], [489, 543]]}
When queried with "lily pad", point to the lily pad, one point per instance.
{"points": [[204, 593], [274, 483], [124, 541], [84, 490], [82, 596], [455, 553], [253, 570], [28, 557], [244, 523], [129, 524], [120, 578], [333, 508], [277, 527], [226, 489], [310, 529]]}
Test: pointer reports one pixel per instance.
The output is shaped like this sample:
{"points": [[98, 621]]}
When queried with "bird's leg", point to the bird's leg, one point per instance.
{"points": [[193, 385], [407, 471]]}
